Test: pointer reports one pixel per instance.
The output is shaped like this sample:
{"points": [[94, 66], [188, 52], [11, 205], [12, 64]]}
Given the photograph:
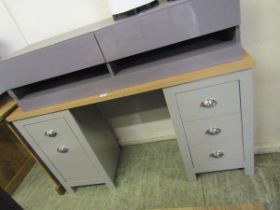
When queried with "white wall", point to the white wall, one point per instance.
{"points": [[39, 19], [10, 37], [143, 127], [261, 37]]}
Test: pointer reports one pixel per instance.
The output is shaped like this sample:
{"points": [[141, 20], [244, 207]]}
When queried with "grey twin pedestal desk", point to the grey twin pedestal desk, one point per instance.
{"points": [[212, 112], [57, 82]]}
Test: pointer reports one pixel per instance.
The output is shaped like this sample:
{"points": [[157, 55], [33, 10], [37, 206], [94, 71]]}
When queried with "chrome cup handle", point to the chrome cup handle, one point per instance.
{"points": [[62, 149], [51, 133], [213, 131], [217, 154], [208, 103]]}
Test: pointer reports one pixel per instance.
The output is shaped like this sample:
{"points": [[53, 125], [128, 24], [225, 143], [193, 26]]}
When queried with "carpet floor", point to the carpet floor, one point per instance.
{"points": [[152, 176]]}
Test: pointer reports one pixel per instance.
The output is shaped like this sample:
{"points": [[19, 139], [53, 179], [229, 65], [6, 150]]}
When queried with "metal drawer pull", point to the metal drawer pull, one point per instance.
{"points": [[213, 131], [209, 103], [217, 154], [51, 133], [62, 149]]}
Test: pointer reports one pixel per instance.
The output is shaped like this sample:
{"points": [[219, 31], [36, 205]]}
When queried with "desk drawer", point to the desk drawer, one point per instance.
{"points": [[217, 154], [148, 32], [214, 130], [55, 60], [166, 25], [209, 102], [71, 161]]}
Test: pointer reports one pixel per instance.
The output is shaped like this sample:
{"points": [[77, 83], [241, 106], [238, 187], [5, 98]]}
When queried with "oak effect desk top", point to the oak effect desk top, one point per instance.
{"points": [[246, 62]]}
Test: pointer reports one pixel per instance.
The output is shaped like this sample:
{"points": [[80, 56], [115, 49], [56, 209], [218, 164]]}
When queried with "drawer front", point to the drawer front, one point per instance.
{"points": [[214, 130], [74, 165], [205, 155], [209, 102], [161, 28], [62, 58], [166, 26]]}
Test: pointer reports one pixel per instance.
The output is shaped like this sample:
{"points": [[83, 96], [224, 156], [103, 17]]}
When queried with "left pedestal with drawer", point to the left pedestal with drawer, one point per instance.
{"points": [[76, 145]]}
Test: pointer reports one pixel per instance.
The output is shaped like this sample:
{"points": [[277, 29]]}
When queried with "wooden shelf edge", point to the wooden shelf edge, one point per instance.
{"points": [[7, 108]]}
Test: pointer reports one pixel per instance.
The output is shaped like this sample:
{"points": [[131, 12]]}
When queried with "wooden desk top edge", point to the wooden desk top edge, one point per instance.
{"points": [[7, 108], [245, 63]]}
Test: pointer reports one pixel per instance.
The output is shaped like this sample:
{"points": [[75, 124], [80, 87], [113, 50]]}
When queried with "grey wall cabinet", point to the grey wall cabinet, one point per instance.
{"points": [[213, 119], [77, 145]]}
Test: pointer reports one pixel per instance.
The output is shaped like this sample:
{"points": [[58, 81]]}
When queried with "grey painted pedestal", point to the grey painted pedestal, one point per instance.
{"points": [[77, 145], [213, 120]]}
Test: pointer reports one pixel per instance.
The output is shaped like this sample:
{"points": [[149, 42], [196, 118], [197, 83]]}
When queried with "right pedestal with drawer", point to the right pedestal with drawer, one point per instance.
{"points": [[213, 120]]}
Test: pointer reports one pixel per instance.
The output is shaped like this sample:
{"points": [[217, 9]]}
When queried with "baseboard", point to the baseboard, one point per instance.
{"points": [[17, 179], [126, 142], [268, 147]]}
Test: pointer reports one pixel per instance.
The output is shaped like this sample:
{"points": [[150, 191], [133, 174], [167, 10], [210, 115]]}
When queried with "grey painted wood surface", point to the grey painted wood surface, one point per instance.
{"points": [[167, 24], [226, 95], [68, 164], [242, 146], [233, 153], [55, 60], [185, 20], [147, 72], [247, 110], [230, 125], [100, 139], [82, 164]]}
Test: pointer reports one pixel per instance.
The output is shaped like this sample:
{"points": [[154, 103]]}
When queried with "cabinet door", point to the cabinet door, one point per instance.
{"points": [[58, 142]]}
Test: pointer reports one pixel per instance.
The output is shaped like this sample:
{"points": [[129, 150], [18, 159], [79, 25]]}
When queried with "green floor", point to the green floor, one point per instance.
{"points": [[152, 176]]}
